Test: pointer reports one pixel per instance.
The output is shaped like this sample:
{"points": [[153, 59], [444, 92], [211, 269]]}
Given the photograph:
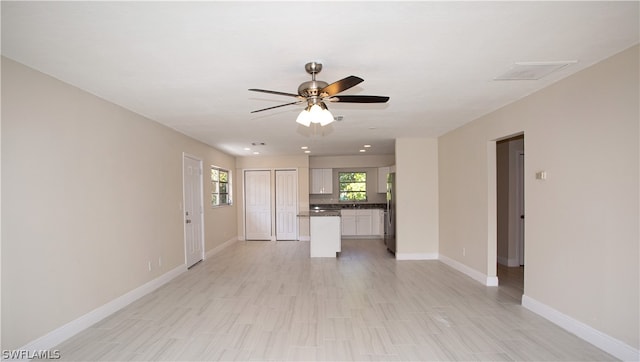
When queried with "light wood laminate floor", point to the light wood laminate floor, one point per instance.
{"points": [[270, 301], [511, 281]]}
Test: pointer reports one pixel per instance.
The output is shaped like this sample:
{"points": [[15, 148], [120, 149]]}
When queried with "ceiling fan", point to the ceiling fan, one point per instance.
{"points": [[316, 92]]}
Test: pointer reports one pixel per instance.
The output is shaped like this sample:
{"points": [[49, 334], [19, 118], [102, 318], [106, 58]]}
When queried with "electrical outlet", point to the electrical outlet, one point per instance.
{"points": [[464, 252], [159, 261], [149, 265]]}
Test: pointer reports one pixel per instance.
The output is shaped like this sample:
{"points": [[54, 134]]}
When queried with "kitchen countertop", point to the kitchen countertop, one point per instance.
{"points": [[346, 205], [319, 213]]}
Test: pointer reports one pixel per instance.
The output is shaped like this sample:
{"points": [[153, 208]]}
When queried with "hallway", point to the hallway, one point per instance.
{"points": [[511, 281]]}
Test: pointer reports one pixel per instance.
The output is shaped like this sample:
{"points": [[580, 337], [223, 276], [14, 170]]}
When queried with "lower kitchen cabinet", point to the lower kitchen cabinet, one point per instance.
{"points": [[348, 220], [377, 222], [361, 222]]}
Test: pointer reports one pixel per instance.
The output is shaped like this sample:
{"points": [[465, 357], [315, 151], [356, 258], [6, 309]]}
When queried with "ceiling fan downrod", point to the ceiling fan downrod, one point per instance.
{"points": [[312, 88], [313, 68]]}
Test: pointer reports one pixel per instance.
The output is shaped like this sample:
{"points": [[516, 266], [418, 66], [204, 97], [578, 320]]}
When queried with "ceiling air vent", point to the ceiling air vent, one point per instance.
{"points": [[533, 70]]}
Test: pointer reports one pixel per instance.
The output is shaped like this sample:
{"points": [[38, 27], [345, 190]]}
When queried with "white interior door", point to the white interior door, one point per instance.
{"points": [[286, 205], [257, 205], [193, 218]]}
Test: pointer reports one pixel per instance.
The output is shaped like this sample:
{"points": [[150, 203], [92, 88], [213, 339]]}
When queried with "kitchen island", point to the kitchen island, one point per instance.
{"points": [[324, 227]]}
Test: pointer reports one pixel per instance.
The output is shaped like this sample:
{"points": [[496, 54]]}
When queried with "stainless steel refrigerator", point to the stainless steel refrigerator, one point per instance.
{"points": [[390, 220]]}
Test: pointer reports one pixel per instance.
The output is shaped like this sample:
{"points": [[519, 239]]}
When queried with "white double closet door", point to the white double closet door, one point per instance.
{"points": [[259, 222]]}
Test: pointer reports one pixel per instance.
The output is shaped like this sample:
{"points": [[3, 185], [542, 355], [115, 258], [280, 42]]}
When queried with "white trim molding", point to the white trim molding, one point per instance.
{"points": [[601, 340], [220, 247], [416, 256], [59, 335], [510, 262], [489, 281]]}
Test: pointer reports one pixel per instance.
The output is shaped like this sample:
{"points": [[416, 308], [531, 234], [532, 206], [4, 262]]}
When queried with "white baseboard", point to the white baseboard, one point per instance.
{"points": [[510, 262], [513, 262], [304, 238], [489, 281], [416, 256], [220, 247], [59, 335], [601, 340]]}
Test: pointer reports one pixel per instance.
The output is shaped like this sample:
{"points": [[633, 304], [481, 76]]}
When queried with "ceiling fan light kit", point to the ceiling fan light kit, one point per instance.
{"points": [[304, 118], [315, 113], [315, 92]]}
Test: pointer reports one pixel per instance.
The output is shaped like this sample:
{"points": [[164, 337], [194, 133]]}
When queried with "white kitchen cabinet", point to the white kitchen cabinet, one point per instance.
{"points": [[348, 219], [361, 222], [321, 181], [325, 236], [382, 179], [377, 222]]}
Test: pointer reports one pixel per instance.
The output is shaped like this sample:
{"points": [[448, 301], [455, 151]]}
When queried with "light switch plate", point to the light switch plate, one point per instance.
{"points": [[541, 175]]}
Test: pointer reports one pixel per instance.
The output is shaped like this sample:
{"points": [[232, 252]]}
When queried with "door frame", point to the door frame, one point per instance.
{"points": [[492, 201], [520, 207], [200, 190]]}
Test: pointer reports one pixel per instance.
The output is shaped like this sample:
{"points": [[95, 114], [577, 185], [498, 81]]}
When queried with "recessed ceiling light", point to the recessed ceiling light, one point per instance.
{"points": [[247, 149], [304, 147], [367, 146], [307, 151], [363, 150], [256, 152]]}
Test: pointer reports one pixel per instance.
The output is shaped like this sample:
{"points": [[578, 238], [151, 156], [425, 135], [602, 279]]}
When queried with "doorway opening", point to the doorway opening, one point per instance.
{"points": [[510, 215]]}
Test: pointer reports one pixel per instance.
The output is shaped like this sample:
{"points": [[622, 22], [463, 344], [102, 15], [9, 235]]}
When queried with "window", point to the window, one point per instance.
{"points": [[220, 187], [353, 186]]}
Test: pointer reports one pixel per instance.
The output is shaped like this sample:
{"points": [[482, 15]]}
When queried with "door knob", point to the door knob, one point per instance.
{"points": [[188, 221]]}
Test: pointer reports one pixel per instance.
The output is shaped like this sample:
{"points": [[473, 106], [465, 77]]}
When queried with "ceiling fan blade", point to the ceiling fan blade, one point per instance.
{"points": [[341, 85], [359, 99], [282, 105], [274, 92]]}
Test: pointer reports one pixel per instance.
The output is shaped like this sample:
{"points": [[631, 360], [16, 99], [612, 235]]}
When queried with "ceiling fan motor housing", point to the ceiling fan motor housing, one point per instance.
{"points": [[311, 88]]}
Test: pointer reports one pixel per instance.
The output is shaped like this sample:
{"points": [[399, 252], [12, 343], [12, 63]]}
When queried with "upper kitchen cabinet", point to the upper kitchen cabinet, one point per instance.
{"points": [[321, 181]]}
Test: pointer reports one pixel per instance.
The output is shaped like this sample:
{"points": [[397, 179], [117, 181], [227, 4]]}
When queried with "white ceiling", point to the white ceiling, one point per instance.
{"points": [[189, 65]]}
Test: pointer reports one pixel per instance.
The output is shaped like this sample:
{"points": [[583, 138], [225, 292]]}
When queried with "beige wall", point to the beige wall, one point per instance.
{"points": [[351, 161], [417, 227], [299, 163], [94, 193], [581, 234]]}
